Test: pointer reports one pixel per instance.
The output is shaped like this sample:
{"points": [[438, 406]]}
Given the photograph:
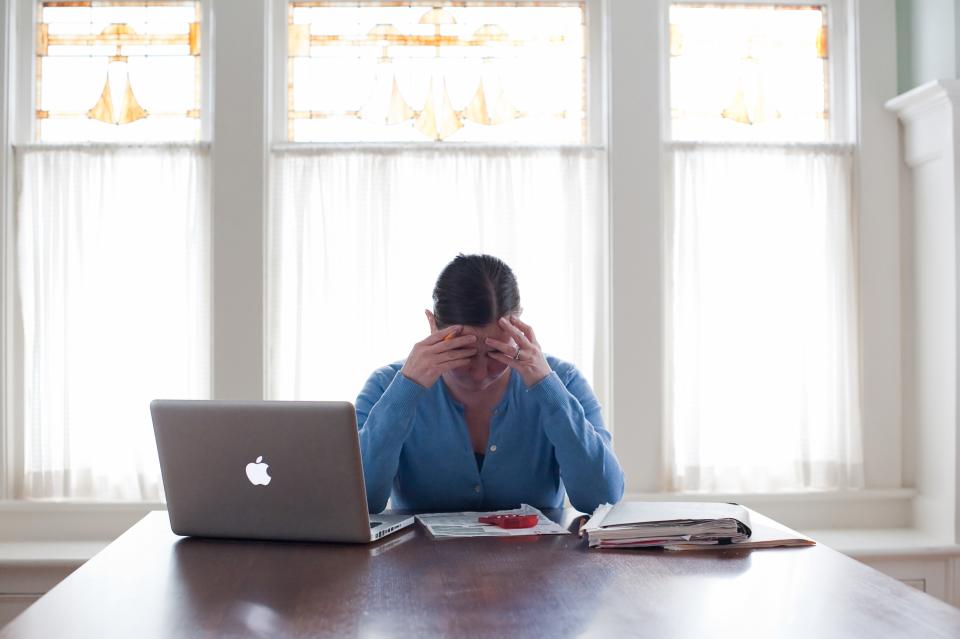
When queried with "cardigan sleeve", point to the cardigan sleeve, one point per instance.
{"points": [[571, 419], [385, 410]]}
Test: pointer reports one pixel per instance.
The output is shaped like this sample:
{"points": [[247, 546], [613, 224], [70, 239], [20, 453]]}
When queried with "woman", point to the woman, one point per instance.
{"points": [[477, 418]]}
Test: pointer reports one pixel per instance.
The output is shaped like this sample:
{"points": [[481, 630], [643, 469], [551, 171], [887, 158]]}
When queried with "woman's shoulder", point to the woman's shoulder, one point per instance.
{"points": [[384, 375], [565, 370], [395, 366]]}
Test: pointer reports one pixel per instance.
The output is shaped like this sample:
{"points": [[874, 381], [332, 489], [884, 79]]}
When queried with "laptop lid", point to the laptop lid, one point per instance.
{"points": [[262, 469]]}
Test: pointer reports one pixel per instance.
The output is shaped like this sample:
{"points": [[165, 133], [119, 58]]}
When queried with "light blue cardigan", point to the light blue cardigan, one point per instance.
{"points": [[416, 448]]}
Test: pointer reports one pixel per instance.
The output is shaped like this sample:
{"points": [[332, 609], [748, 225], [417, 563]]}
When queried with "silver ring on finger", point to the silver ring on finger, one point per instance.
{"points": [[516, 357]]}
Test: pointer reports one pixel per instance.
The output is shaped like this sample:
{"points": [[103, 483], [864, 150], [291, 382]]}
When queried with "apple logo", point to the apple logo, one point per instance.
{"points": [[257, 472]]}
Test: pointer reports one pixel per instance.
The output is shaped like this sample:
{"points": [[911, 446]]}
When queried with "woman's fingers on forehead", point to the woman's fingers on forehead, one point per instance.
{"points": [[526, 328], [516, 320], [461, 353], [500, 346], [449, 332], [452, 342], [513, 330]]}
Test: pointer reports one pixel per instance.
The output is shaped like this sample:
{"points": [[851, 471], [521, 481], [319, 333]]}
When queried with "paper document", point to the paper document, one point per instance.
{"points": [[686, 526], [450, 525], [643, 524], [766, 533]]}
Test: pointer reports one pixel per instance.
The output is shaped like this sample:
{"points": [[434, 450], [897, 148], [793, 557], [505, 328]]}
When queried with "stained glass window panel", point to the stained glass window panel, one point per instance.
{"points": [[118, 71], [749, 73], [421, 72]]}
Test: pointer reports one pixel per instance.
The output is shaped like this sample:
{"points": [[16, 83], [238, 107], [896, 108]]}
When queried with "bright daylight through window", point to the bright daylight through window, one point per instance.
{"points": [[749, 73], [762, 356], [115, 71], [459, 72], [112, 245]]}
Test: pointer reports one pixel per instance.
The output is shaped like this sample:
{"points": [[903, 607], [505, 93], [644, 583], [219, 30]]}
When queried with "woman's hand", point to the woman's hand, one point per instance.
{"points": [[440, 352], [526, 357]]}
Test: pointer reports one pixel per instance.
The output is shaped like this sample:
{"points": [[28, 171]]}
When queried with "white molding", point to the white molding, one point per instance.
{"points": [[238, 197], [206, 70], [877, 252], [75, 521], [39, 521], [635, 410], [636, 31], [918, 110], [597, 31], [864, 543], [277, 71], [19, 120], [838, 496], [931, 149], [6, 246], [911, 105], [843, 26], [848, 509], [48, 553], [815, 147], [23, 73], [428, 147]]}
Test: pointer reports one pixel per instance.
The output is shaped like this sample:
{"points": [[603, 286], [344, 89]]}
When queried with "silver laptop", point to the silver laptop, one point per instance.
{"points": [[265, 470]]}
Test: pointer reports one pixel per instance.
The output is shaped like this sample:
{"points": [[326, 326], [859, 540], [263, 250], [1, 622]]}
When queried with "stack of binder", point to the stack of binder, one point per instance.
{"points": [[685, 526]]}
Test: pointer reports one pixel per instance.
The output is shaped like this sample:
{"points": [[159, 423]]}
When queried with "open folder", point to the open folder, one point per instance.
{"points": [[686, 526]]}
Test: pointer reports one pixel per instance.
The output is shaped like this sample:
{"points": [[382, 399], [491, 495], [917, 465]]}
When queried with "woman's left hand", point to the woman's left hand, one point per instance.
{"points": [[526, 357]]}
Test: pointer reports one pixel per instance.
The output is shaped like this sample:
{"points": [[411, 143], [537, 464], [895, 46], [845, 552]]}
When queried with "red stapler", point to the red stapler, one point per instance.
{"points": [[510, 521]]}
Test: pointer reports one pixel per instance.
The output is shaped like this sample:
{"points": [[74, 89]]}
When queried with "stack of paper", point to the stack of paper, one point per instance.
{"points": [[668, 524]]}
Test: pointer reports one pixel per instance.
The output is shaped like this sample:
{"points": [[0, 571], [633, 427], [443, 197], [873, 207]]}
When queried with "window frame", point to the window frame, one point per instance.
{"points": [[630, 62], [639, 174]]}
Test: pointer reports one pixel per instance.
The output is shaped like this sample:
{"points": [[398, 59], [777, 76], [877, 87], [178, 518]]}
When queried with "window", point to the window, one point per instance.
{"points": [[359, 232], [405, 236], [490, 72], [749, 73], [762, 358], [111, 246], [118, 71]]}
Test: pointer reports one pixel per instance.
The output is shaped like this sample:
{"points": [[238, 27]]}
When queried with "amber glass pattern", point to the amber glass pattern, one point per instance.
{"points": [[454, 71], [118, 71], [751, 72]]}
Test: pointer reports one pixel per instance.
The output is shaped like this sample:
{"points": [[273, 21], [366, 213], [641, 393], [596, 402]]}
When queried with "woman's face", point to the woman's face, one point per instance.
{"points": [[482, 371]]}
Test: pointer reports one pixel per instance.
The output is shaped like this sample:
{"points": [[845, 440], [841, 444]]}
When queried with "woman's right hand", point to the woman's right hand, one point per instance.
{"points": [[440, 352]]}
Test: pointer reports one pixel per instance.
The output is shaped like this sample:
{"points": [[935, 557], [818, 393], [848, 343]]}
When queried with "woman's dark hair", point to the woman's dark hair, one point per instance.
{"points": [[475, 290]]}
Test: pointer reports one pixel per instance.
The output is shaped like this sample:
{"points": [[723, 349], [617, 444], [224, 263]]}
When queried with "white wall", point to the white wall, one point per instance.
{"points": [[927, 41]]}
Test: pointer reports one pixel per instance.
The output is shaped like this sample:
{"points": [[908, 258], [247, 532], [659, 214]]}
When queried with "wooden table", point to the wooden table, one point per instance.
{"points": [[151, 583]]}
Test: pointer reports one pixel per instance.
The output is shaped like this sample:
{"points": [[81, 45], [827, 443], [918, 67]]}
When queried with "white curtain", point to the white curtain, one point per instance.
{"points": [[112, 256], [357, 238], [762, 340]]}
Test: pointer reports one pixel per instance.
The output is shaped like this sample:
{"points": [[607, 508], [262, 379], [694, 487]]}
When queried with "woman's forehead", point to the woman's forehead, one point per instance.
{"points": [[487, 330]]}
